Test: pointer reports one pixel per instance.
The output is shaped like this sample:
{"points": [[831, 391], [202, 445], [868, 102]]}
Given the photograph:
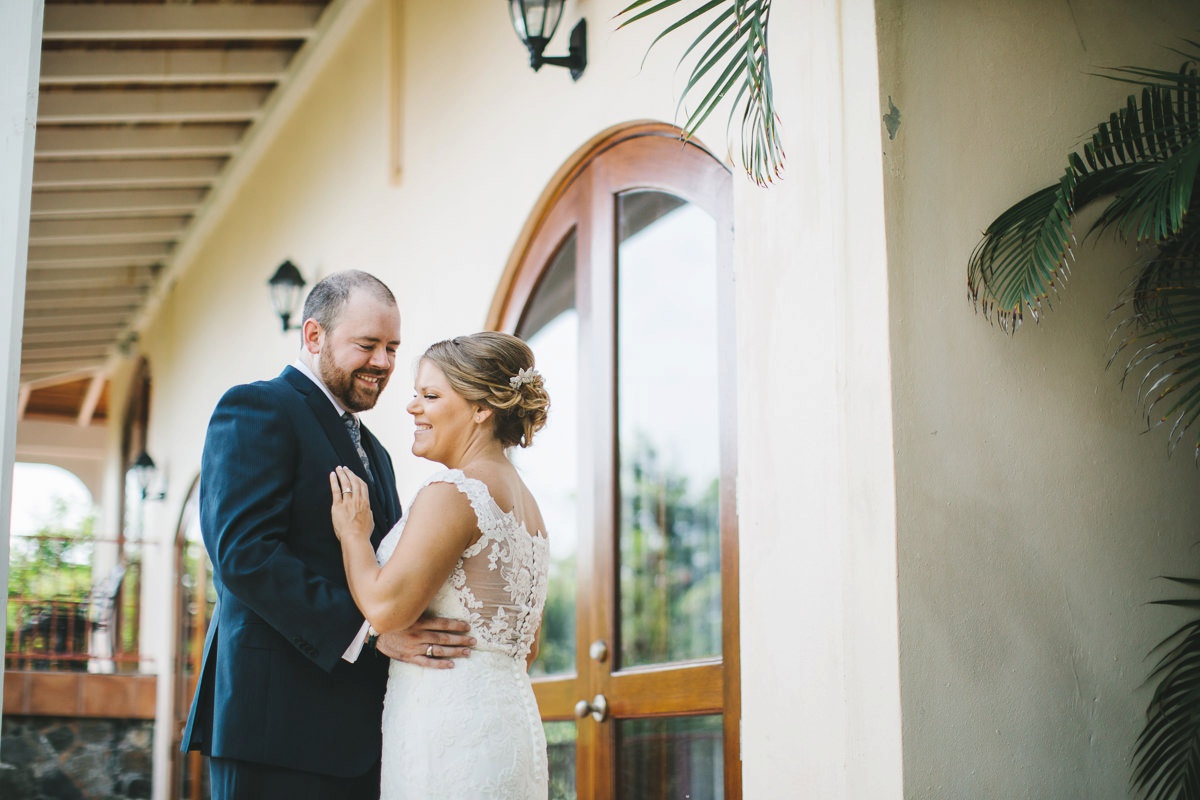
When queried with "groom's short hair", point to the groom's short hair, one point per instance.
{"points": [[329, 296]]}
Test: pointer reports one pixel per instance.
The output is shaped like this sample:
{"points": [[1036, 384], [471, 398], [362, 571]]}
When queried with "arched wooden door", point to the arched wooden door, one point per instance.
{"points": [[624, 289], [195, 598]]}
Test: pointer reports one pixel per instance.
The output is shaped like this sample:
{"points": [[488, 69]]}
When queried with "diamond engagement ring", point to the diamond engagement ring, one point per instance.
{"points": [[429, 651]]}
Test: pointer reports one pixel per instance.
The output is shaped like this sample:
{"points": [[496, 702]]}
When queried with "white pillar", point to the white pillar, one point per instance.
{"points": [[20, 64], [816, 483]]}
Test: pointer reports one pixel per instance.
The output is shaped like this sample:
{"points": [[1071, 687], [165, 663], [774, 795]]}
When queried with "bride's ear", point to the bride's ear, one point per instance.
{"points": [[482, 414]]}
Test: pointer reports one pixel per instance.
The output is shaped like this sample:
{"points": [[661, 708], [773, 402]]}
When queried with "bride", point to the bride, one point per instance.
{"points": [[472, 546]]}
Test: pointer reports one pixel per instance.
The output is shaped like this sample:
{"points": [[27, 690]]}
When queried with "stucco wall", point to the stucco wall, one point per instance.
{"points": [[1033, 512]]}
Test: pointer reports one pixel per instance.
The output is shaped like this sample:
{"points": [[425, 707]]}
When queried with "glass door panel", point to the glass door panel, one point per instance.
{"points": [[673, 757], [623, 290], [560, 749], [550, 326], [668, 426]]}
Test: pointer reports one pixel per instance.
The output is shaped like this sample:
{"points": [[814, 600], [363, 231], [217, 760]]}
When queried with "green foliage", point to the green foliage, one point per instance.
{"points": [[556, 648], [48, 573], [670, 603], [1167, 755], [56, 562], [730, 57], [1144, 160]]}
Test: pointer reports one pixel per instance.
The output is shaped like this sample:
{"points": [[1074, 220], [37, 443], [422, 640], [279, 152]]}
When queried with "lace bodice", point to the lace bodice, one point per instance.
{"points": [[499, 583]]}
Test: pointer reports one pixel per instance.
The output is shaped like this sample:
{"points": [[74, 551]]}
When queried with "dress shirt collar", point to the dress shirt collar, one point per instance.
{"points": [[308, 373]]}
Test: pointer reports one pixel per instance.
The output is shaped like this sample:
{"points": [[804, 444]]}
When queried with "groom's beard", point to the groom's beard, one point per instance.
{"points": [[354, 395]]}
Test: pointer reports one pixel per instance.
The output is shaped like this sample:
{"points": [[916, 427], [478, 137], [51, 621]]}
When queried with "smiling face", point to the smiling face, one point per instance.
{"points": [[446, 423], [356, 356]]}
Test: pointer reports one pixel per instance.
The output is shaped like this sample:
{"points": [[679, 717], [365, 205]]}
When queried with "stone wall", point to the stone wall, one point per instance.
{"points": [[55, 758]]}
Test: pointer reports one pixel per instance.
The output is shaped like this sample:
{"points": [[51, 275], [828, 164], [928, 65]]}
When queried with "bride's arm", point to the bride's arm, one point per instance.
{"points": [[439, 527]]}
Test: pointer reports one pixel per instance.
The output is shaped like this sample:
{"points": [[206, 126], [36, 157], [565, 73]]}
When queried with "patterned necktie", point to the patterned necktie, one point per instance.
{"points": [[356, 437]]}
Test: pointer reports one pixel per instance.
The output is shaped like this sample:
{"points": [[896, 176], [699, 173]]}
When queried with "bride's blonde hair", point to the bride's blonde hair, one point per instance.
{"points": [[496, 370]]}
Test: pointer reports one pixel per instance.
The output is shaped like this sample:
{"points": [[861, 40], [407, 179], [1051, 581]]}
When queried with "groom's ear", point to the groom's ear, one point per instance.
{"points": [[313, 335]]}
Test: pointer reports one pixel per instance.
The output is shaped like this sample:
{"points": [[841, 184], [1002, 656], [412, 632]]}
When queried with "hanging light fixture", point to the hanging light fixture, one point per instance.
{"points": [[535, 22], [286, 285], [145, 472]]}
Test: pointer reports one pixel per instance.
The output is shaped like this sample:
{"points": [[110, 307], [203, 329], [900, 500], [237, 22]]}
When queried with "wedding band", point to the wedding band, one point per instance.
{"points": [[347, 491], [429, 651]]}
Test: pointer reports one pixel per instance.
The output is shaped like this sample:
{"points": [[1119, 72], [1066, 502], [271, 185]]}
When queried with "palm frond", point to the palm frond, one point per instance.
{"points": [[1162, 334], [1167, 753], [1023, 252], [1145, 158], [729, 64]]}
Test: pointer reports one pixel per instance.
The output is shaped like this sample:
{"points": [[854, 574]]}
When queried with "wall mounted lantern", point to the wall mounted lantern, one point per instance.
{"points": [[286, 286], [535, 22], [145, 472]]}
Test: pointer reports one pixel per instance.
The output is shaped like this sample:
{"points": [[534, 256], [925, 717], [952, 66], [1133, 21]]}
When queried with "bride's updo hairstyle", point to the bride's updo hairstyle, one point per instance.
{"points": [[496, 370]]}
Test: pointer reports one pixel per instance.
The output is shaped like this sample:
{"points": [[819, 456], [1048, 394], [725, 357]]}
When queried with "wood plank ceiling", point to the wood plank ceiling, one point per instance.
{"points": [[142, 108]]}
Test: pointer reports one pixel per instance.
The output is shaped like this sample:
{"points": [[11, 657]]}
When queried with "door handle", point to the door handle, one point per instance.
{"points": [[598, 708]]}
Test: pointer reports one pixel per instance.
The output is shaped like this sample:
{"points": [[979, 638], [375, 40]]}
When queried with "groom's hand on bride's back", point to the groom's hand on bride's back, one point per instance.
{"points": [[431, 642]]}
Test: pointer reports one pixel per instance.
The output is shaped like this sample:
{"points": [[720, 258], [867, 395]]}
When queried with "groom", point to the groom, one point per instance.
{"points": [[290, 693]]}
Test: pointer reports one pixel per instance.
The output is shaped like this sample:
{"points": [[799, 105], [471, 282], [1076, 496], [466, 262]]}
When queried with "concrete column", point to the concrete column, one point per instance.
{"points": [[20, 64], [816, 480]]}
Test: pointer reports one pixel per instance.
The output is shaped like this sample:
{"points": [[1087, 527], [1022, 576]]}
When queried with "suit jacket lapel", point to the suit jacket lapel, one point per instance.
{"points": [[383, 492], [335, 430]]}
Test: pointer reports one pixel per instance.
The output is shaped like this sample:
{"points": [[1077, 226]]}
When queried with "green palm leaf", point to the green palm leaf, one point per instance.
{"points": [[1145, 157], [1162, 334], [1143, 164], [1167, 753], [729, 59]]}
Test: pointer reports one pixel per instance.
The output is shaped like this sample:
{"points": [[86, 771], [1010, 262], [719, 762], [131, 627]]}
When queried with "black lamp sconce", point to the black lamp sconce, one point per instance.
{"points": [[146, 473], [535, 22], [286, 284]]}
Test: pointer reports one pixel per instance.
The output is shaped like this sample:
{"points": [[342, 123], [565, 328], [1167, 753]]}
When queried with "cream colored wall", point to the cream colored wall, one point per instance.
{"points": [[820, 683], [1033, 512]]}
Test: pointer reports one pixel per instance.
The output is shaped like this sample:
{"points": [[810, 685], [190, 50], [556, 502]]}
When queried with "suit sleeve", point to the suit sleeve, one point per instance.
{"points": [[249, 483]]}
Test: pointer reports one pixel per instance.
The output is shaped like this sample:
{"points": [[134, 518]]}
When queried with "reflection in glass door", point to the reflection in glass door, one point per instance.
{"points": [[195, 599], [669, 463], [551, 327], [624, 292]]}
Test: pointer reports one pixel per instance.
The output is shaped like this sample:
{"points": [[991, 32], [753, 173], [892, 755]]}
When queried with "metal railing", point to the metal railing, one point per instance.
{"points": [[60, 624], [65, 635]]}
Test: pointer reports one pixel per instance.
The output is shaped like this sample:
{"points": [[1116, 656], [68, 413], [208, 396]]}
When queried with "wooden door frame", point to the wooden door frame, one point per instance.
{"points": [[587, 183], [181, 694]]}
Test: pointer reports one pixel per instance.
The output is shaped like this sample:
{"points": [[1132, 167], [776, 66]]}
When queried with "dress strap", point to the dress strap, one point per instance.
{"points": [[482, 503]]}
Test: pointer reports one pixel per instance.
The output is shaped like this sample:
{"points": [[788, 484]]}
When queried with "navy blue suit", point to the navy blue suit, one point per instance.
{"points": [[273, 687]]}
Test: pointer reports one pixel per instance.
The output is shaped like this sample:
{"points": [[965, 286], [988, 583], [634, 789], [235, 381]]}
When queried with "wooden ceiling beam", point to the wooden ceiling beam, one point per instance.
{"points": [[164, 66], [170, 202], [62, 335], [92, 278], [44, 257], [101, 230], [47, 382], [53, 318], [150, 141], [87, 409], [55, 373], [156, 106], [126, 300], [23, 400], [143, 173], [178, 22], [39, 353]]}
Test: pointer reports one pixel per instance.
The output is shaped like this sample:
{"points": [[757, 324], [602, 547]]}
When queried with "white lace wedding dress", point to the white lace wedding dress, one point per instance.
{"points": [[473, 732]]}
